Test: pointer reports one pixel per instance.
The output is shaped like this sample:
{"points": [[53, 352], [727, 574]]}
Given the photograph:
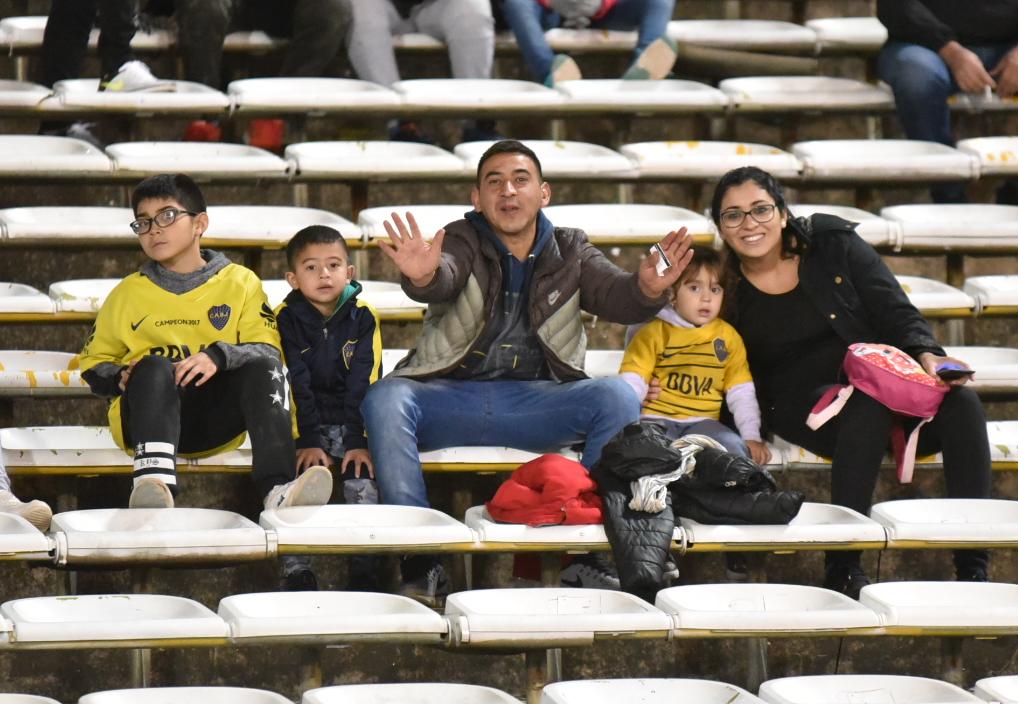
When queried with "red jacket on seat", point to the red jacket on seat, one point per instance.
{"points": [[549, 490], [606, 5]]}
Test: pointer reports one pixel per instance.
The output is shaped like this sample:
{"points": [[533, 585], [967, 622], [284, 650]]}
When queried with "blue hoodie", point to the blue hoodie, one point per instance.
{"points": [[510, 348]]}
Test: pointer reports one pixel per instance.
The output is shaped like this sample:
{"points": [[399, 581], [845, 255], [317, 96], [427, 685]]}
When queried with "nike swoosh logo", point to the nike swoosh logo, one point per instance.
{"points": [[574, 583], [135, 326]]}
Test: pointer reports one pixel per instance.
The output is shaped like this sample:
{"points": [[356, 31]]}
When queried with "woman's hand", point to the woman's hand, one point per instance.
{"points": [[930, 362]]}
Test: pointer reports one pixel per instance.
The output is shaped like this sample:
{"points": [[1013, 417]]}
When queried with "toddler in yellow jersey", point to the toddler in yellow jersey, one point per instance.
{"points": [[700, 361], [187, 351]]}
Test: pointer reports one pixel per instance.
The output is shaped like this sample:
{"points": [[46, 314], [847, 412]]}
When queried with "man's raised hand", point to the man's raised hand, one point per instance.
{"points": [[415, 258], [677, 247]]}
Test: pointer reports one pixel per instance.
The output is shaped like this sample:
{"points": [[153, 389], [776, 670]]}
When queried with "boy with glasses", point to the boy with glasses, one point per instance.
{"points": [[187, 351]]}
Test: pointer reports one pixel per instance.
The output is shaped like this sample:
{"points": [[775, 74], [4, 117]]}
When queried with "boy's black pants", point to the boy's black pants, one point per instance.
{"points": [[200, 418], [66, 38]]}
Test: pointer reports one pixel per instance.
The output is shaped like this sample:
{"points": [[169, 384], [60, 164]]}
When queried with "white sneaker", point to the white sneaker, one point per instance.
{"points": [[135, 76], [150, 492], [38, 513], [312, 488]]}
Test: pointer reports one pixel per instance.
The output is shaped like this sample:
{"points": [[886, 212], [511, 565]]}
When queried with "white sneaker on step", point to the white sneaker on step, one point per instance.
{"points": [[312, 488], [38, 513], [135, 76]]}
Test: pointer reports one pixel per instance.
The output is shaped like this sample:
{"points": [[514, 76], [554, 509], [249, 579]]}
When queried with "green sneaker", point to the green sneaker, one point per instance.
{"points": [[563, 68], [655, 62]]}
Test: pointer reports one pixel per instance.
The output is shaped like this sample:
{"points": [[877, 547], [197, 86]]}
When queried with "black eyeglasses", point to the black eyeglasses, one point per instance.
{"points": [[164, 218], [761, 213]]}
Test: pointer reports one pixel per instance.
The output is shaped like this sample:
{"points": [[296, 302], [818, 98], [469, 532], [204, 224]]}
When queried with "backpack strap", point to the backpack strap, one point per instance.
{"points": [[905, 450], [829, 405]]}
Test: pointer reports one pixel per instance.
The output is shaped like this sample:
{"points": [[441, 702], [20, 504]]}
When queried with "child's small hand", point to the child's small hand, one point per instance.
{"points": [[198, 368], [758, 451], [311, 457], [653, 390], [358, 458]]}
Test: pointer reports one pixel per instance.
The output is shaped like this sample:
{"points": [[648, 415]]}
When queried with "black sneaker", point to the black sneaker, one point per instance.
{"points": [[591, 571], [736, 569], [409, 131], [430, 588], [973, 574], [302, 580], [846, 579]]}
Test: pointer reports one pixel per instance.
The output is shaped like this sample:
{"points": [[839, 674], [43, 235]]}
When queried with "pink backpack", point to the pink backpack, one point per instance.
{"points": [[894, 379]]}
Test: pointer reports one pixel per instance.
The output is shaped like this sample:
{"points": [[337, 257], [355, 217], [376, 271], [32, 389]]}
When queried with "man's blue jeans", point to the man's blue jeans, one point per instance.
{"points": [[404, 416], [922, 83], [529, 20]]}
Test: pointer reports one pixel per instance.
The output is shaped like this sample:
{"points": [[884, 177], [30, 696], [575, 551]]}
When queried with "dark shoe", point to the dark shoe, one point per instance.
{"points": [[302, 580], [482, 131], [429, 588], [364, 571], [846, 579], [736, 569], [409, 131], [973, 574], [1008, 193], [591, 571]]}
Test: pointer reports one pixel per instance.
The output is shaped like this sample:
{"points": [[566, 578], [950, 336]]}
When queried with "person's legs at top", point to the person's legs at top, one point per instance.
{"points": [[529, 20], [369, 40], [202, 27], [655, 53], [959, 432], [65, 40], [468, 29], [116, 30], [315, 28]]}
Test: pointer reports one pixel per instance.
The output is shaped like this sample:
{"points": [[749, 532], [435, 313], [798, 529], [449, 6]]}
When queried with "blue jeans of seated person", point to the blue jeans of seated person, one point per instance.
{"points": [[922, 83], [404, 417], [713, 429], [529, 20]]}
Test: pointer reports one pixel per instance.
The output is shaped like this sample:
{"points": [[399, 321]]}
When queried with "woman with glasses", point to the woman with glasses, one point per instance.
{"points": [[799, 291]]}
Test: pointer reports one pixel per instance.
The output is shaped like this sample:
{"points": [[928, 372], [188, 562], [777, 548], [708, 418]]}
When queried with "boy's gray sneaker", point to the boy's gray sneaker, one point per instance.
{"points": [[430, 588], [36, 512], [149, 492], [592, 571], [312, 488]]}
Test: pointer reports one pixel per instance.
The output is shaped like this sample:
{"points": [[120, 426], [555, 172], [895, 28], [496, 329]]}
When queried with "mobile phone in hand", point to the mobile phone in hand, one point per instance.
{"points": [[662, 259], [950, 371]]}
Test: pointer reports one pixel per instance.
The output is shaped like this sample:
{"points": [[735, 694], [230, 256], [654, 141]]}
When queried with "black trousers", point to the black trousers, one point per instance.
{"points": [[201, 418], [66, 38], [857, 439]]}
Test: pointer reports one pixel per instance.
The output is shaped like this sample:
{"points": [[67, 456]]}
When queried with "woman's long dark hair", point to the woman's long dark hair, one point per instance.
{"points": [[790, 244]]}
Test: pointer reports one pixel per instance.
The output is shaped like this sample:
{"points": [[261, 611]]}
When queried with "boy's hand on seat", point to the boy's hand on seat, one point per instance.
{"points": [[758, 451], [198, 368], [125, 374], [359, 458], [311, 457], [416, 259]]}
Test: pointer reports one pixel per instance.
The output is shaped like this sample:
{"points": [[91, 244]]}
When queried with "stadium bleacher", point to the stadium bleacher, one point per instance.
{"points": [[626, 188]]}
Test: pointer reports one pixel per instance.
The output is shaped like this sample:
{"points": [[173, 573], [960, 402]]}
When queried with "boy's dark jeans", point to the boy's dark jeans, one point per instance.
{"points": [[200, 418]]}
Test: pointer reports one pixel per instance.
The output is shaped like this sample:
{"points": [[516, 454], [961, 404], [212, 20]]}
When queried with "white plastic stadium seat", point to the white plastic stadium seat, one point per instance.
{"points": [[550, 617], [39, 373], [270, 225], [977, 523], [660, 97], [25, 699], [560, 159], [20, 298], [645, 691], [21, 94], [998, 156], [862, 689], [200, 160], [187, 98], [994, 294], [696, 159], [81, 295], [114, 620], [156, 536], [629, 223], [764, 610], [956, 227], [935, 298], [747, 35], [365, 528], [996, 367], [883, 160], [944, 608], [309, 95], [20, 540], [854, 34], [418, 693], [185, 695], [872, 228], [253, 41], [416, 40], [373, 160], [386, 297], [1003, 435], [329, 617], [24, 33], [430, 218], [517, 536], [1003, 690], [566, 40], [812, 93], [67, 225], [816, 527], [53, 157], [602, 363], [493, 95]]}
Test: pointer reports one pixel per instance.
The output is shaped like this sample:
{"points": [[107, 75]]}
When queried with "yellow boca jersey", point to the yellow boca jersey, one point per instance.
{"points": [[140, 318], [695, 365]]}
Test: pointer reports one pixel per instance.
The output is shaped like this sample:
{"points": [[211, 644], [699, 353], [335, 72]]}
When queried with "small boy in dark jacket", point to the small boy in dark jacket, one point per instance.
{"points": [[333, 350]]}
